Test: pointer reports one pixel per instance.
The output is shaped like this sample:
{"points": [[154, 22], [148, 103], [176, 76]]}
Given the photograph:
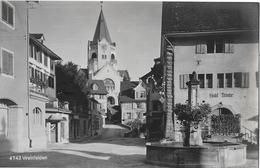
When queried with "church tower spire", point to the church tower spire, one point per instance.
{"points": [[101, 50], [101, 29]]}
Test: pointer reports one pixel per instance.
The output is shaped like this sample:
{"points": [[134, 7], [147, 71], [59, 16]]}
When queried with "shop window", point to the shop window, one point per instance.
{"points": [[209, 80], [8, 13], [201, 79], [37, 116], [220, 78], [229, 80], [241, 79]]}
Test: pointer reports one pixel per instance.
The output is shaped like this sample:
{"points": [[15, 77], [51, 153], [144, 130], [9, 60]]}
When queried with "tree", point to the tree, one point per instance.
{"points": [[189, 115], [69, 86]]}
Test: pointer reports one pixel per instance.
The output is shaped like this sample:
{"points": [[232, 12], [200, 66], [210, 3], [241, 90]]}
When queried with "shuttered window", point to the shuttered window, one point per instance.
{"points": [[200, 47], [220, 78], [209, 80], [228, 80], [7, 13], [7, 63], [201, 80], [229, 47], [214, 46], [183, 80], [241, 79]]}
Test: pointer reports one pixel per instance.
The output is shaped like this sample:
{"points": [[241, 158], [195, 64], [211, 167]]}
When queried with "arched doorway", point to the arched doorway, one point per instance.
{"points": [[224, 122], [4, 110]]}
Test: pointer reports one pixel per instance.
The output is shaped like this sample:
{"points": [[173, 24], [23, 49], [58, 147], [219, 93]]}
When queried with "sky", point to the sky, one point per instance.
{"points": [[134, 26]]}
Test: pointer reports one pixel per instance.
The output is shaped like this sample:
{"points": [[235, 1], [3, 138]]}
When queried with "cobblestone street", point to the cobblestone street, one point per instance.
{"points": [[108, 151]]}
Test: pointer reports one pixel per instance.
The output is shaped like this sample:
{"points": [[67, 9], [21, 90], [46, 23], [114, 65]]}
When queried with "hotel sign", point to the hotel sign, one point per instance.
{"points": [[216, 95]]}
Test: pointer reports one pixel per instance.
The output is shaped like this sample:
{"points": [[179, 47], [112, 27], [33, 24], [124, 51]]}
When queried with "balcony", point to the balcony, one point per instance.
{"points": [[38, 86]]}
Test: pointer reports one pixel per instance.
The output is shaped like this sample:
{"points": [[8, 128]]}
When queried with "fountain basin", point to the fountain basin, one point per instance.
{"points": [[209, 155]]}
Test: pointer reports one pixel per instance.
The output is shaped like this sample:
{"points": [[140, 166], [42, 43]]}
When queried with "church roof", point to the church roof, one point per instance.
{"points": [[101, 29], [124, 74]]}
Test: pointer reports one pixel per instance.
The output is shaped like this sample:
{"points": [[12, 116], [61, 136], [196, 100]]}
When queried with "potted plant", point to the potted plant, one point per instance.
{"points": [[191, 118]]}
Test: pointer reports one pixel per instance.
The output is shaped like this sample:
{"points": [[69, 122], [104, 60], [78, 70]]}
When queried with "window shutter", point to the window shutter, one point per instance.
{"points": [[200, 47], [4, 60], [238, 79], [10, 15], [245, 80], [10, 62], [4, 11], [229, 47], [7, 59]]}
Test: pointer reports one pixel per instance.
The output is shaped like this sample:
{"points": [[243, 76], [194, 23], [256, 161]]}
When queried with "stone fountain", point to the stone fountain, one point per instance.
{"points": [[202, 155]]}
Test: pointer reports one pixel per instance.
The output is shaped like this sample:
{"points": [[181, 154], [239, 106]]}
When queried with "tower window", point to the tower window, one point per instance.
{"points": [[112, 56], [104, 56], [94, 55]]}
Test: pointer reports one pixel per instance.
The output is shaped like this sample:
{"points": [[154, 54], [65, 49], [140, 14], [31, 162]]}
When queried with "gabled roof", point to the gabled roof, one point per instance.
{"points": [[101, 29], [101, 87], [124, 74], [126, 85], [45, 49], [208, 16]]}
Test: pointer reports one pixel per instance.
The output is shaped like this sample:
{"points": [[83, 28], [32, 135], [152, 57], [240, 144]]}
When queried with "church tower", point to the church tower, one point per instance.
{"points": [[101, 50]]}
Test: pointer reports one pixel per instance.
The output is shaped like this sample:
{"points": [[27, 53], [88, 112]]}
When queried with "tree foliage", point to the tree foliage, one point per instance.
{"points": [[187, 114], [69, 86]]}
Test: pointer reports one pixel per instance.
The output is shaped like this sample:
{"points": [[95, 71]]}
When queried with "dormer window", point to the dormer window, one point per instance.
{"points": [[140, 94], [94, 86]]}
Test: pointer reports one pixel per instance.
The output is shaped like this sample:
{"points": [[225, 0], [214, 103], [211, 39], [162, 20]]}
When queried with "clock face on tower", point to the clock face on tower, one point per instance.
{"points": [[104, 47]]}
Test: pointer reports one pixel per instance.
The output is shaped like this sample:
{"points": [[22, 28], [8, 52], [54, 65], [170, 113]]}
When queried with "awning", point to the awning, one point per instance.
{"points": [[254, 118], [54, 117]]}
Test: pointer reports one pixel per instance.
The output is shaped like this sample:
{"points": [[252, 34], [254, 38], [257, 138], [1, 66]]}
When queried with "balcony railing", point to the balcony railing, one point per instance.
{"points": [[38, 85]]}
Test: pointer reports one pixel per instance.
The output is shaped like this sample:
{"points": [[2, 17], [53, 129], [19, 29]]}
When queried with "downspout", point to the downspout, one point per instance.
{"points": [[27, 69]]}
